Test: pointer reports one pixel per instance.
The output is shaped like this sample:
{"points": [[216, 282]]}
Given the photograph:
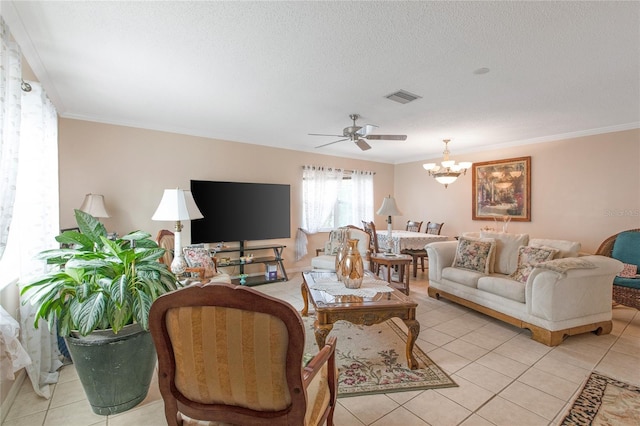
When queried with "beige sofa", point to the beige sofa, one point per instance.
{"points": [[564, 294]]}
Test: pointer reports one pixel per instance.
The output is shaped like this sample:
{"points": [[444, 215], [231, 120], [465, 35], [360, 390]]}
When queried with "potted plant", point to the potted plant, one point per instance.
{"points": [[98, 293]]}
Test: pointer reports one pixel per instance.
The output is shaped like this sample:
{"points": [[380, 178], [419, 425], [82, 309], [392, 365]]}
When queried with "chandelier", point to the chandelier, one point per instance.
{"points": [[449, 171]]}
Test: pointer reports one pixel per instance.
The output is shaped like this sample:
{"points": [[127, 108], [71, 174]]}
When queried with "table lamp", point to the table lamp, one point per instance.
{"points": [[94, 205], [177, 204], [389, 209]]}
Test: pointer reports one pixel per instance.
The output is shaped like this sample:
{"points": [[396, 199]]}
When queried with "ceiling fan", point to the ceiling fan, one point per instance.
{"points": [[358, 134]]}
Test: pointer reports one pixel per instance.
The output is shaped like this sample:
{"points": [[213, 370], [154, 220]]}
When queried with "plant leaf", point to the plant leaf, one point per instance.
{"points": [[141, 306], [75, 238], [88, 314], [91, 227]]}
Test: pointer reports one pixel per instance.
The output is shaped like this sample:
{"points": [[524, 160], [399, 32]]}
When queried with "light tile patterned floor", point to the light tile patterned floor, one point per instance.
{"points": [[504, 377]]}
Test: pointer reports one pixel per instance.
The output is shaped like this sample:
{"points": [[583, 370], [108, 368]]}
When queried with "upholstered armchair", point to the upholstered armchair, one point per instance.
{"points": [[326, 257], [234, 355], [201, 265]]}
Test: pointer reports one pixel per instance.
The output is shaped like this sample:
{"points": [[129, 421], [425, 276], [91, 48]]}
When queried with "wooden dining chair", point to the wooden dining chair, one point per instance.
{"points": [[420, 255], [234, 355], [413, 226], [370, 228], [434, 228]]}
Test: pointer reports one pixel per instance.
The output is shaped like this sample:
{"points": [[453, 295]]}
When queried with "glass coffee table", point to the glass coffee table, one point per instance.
{"points": [[363, 309]]}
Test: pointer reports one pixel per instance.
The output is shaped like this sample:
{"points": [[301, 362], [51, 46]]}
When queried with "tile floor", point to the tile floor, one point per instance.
{"points": [[504, 377]]}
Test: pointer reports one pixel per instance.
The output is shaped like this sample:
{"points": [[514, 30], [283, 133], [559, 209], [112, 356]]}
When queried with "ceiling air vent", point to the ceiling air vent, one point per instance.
{"points": [[403, 97]]}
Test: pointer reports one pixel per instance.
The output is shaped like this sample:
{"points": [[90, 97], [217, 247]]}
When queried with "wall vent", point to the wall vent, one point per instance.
{"points": [[403, 97]]}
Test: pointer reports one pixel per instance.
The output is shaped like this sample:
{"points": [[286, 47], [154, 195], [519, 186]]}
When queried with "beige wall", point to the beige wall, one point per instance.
{"points": [[583, 189], [131, 168]]}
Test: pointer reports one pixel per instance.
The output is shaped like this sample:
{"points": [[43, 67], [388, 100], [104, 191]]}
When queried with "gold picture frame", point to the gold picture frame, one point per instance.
{"points": [[502, 190]]}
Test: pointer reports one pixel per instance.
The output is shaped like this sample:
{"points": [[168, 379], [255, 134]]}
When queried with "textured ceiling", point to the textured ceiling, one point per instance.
{"points": [[269, 73]]}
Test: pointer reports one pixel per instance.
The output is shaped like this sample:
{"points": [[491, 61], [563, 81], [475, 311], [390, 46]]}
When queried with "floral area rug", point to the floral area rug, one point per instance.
{"points": [[372, 359], [605, 401]]}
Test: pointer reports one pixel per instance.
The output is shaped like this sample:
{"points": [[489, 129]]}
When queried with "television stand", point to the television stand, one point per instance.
{"points": [[276, 249]]}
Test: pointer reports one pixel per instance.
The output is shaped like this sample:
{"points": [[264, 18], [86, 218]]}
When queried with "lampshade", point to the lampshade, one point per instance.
{"points": [[94, 205], [389, 207], [177, 204]]}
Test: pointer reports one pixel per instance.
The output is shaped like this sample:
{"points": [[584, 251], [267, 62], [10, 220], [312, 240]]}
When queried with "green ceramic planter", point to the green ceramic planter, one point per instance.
{"points": [[115, 369]]}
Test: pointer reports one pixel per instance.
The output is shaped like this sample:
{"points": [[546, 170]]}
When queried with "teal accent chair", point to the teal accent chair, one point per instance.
{"points": [[625, 247]]}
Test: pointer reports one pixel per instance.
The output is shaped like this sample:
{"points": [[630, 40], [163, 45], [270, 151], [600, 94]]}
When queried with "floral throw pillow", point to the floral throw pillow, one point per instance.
{"points": [[474, 254], [528, 257], [629, 271], [199, 257]]}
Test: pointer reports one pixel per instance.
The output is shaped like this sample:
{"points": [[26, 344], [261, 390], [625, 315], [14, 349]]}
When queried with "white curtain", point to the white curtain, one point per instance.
{"points": [[320, 188], [362, 190], [37, 222], [10, 93]]}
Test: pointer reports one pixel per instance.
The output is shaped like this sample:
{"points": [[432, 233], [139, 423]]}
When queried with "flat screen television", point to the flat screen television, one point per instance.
{"points": [[238, 211]]}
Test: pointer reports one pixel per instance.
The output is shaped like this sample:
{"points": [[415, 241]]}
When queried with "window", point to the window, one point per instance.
{"points": [[335, 197]]}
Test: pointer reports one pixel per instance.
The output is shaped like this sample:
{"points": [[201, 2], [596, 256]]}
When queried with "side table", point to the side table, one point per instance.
{"points": [[402, 261]]}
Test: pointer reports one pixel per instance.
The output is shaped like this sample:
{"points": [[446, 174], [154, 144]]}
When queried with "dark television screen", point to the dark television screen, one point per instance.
{"points": [[236, 211]]}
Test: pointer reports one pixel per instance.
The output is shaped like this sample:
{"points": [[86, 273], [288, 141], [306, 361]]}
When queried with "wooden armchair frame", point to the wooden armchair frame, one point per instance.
{"points": [[191, 305]]}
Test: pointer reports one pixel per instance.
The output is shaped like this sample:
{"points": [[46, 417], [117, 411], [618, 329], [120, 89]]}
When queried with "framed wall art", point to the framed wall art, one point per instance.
{"points": [[502, 190]]}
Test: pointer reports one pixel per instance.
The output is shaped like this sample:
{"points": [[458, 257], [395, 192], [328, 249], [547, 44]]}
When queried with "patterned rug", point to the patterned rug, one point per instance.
{"points": [[372, 359], [605, 401]]}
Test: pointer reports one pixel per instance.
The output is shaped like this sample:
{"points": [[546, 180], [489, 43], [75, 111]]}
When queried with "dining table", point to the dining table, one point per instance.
{"points": [[406, 240]]}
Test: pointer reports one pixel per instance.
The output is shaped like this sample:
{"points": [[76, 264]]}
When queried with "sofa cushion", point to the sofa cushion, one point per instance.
{"points": [[324, 261], [504, 287], [462, 276], [627, 282], [199, 257], [565, 248], [628, 271], [336, 238], [626, 248], [474, 254], [506, 254], [528, 257], [565, 264]]}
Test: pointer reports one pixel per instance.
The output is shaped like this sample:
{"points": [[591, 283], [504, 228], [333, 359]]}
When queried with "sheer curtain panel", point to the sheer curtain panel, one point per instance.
{"points": [[10, 93], [362, 196], [320, 188], [36, 221]]}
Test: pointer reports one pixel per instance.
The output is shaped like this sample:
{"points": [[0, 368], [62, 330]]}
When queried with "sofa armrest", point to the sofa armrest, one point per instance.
{"points": [[557, 296], [441, 255]]}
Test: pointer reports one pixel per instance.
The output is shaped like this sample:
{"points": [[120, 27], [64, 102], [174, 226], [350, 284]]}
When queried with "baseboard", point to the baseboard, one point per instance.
{"points": [[13, 393]]}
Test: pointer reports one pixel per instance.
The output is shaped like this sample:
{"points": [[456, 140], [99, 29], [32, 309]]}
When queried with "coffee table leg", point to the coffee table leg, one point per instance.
{"points": [[412, 335], [321, 332], [406, 277], [305, 298]]}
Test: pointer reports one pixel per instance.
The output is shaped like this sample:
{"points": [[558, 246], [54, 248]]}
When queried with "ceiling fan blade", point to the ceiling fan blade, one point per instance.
{"points": [[387, 137], [324, 134], [366, 129], [331, 143], [363, 145]]}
